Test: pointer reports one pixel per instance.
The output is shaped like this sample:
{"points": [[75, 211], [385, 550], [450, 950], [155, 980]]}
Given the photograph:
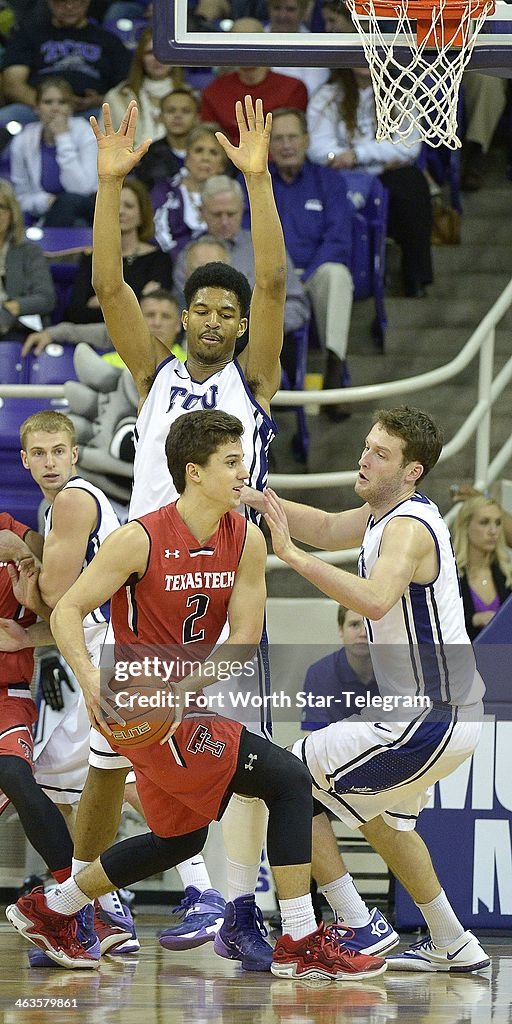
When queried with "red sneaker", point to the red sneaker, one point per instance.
{"points": [[111, 929], [319, 956], [55, 933]]}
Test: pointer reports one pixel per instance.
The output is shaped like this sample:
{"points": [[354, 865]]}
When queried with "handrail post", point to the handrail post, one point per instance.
{"points": [[483, 434]]}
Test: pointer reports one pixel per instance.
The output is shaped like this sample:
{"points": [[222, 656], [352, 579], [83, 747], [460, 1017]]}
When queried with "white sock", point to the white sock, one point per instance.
{"points": [[443, 923], [67, 898], [111, 903], [194, 872], [349, 908], [297, 916], [242, 878], [79, 865]]}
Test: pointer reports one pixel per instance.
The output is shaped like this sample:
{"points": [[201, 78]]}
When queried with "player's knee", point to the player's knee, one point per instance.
{"points": [[15, 776], [294, 777]]}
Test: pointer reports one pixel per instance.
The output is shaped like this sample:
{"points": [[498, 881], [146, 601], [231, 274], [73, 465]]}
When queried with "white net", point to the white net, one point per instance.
{"points": [[416, 84]]}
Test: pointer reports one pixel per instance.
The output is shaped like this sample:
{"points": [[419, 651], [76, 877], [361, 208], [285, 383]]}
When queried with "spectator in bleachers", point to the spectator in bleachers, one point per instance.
{"points": [[53, 162], [148, 82], [67, 44], [26, 286], [335, 16], [317, 225], [485, 99], [146, 268], [483, 560], [287, 16], [348, 670], [179, 113], [343, 124], [275, 90], [160, 310], [222, 210], [178, 203]]}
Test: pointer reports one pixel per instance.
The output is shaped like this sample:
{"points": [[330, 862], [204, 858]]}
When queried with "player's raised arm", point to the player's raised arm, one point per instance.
{"points": [[260, 360], [125, 323]]}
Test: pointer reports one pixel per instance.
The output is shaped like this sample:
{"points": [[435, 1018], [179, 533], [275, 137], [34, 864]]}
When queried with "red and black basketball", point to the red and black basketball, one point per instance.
{"points": [[141, 711]]}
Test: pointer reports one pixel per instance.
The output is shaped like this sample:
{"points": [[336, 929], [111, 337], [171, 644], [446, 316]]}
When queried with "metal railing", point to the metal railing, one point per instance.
{"points": [[479, 422]]}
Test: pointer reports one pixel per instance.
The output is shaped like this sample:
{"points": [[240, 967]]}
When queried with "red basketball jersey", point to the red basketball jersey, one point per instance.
{"points": [[183, 597], [17, 667]]}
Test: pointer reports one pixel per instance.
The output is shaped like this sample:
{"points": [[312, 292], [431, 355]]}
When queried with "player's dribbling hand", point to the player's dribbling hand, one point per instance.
{"points": [[275, 518], [251, 156], [116, 153]]}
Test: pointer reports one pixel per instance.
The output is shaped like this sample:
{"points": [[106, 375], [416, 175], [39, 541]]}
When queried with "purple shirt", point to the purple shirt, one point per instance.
{"points": [[332, 676]]}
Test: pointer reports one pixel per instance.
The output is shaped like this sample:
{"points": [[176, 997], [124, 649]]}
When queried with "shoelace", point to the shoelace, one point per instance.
{"points": [[182, 909], [425, 943], [255, 917], [331, 939]]}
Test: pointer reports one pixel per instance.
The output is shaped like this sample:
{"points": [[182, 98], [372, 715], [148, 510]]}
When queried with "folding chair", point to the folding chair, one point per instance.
{"points": [[53, 366]]}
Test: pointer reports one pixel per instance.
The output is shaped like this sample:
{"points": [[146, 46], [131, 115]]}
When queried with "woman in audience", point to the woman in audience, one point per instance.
{"points": [[53, 160], [26, 286], [177, 204], [148, 82], [146, 268], [342, 125], [483, 560]]}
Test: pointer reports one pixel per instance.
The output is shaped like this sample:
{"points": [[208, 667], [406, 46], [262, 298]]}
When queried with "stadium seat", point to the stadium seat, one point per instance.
{"points": [[12, 366], [53, 366]]}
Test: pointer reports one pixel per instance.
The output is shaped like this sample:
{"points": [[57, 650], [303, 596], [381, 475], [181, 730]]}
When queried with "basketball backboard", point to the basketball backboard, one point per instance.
{"points": [[175, 43]]}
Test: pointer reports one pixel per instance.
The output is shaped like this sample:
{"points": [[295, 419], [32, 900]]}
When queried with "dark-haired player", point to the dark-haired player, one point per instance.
{"points": [[218, 299], [216, 573]]}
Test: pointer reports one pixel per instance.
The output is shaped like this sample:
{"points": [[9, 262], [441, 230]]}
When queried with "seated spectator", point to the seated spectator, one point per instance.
{"points": [[160, 310], [483, 560], [197, 252], [148, 82], [335, 16], [26, 286], [146, 268], [343, 125], [287, 16], [53, 162], [67, 44], [485, 99], [177, 204], [222, 210], [342, 676], [317, 225], [275, 90], [179, 113]]}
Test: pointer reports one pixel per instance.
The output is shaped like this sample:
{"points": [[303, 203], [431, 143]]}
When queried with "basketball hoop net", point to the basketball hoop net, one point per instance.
{"points": [[417, 67]]}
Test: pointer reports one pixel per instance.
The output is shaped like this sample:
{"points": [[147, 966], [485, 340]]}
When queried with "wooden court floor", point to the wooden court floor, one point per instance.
{"points": [[198, 987]]}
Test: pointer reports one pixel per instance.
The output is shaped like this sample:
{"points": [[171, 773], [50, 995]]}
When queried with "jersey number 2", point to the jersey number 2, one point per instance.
{"points": [[201, 602]]}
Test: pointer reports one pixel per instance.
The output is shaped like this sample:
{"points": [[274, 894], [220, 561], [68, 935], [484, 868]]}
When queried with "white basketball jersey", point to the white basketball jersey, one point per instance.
{"points": [[174, 393], [96, 622], [421, 647]]}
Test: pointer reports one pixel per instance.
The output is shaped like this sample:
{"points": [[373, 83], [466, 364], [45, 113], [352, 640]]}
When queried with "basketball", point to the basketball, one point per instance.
{"points": [[142, 711]]}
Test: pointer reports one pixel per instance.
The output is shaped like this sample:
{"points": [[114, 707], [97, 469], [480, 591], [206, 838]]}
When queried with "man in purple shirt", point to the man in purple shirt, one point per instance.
{"points": [[317, 226], [342, 676]]}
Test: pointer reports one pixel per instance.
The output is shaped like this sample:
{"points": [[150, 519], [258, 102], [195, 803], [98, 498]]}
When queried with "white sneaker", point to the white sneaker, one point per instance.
{"points": [[462, 956]]}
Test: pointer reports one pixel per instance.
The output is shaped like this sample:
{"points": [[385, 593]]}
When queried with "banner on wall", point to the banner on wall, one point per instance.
{"points": [[468, 830]]}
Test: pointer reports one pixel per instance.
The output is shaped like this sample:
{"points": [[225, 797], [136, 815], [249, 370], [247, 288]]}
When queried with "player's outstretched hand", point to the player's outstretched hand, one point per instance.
{"points": [[13, 637], [116, 153], [253, 498], [275, 518], [251, 155]]}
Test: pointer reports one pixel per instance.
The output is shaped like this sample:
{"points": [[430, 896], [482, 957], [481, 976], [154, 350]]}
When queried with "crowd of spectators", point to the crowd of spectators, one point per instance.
{"points": [[62, 58]]}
